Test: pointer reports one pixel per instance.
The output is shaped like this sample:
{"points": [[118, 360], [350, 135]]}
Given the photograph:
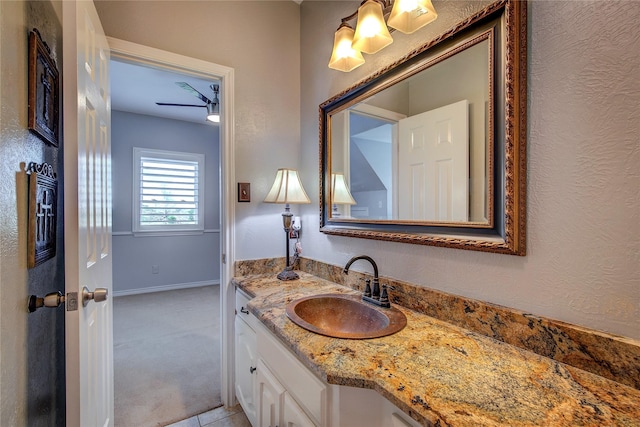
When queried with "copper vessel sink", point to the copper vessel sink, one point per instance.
{"points": [[345, 316]]}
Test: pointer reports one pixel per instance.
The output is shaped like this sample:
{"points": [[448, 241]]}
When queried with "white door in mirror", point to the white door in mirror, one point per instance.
{"points": [[433, 164]]}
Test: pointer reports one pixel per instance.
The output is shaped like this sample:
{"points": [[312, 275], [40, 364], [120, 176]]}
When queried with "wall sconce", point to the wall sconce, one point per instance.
{"points": [[371, 33], [344, 57], [287, 189], [340, 194]]}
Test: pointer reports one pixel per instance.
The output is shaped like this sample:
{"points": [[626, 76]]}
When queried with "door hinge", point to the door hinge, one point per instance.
{"points": [[72, 301], [224, 258]]}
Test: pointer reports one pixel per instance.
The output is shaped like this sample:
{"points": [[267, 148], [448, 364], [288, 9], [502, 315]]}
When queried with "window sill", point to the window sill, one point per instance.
{"points": [[167, 233]]}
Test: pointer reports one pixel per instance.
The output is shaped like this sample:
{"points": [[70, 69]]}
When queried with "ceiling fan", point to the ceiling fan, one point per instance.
{"points": [[212, 105]]}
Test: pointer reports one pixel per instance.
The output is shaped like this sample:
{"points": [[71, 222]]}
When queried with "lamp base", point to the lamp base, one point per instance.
{"points": [[288, 275]]}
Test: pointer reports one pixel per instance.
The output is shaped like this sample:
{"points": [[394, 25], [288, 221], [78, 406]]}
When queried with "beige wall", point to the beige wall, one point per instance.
{"points": [[261, 41], [583, 257], [583, 245]]}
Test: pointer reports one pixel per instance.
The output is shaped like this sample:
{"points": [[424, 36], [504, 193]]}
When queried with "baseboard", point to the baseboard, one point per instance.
{"points": [[162, 288]]}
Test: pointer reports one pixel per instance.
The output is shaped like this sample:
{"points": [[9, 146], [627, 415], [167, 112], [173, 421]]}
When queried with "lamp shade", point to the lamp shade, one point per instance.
{"points": [[344, 57], [371, 33], [409, 15], [340, 194], [287, 188]]}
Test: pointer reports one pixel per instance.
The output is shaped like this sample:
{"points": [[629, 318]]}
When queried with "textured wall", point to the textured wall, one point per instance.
{"points": [[260, 40], [181, 259], [583, 205], [32, 370], [583, 245]]}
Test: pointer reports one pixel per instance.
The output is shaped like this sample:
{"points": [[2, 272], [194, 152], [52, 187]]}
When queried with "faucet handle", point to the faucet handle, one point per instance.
{"points": [[384, 297], [367, 288]]}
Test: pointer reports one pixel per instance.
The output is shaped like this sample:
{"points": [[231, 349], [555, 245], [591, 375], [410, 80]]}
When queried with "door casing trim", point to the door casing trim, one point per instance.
{"points": [[169, 61]]}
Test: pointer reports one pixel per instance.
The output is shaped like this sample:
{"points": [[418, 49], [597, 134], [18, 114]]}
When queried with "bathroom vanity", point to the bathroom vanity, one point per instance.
{"points": [[275, 389], [429, 373]]}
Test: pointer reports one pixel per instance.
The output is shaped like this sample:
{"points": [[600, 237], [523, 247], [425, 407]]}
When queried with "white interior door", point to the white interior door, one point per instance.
{"points": [[88, 260], [433, 164]]}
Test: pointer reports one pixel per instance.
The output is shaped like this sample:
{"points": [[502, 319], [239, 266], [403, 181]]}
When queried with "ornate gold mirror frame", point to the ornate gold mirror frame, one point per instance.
{"points": [[505, 230]]}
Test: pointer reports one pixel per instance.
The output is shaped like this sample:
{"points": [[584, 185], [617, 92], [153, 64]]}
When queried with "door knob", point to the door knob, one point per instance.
{"points": [[99, 295], [52, 300]]}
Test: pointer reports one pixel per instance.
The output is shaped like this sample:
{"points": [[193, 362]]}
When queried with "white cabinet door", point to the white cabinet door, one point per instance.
{"points": [[246, 364], [293, 415], [308, 391], [270, 396]]}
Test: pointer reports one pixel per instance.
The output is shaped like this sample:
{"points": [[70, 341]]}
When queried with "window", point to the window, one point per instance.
{"points": [[168, 191]]}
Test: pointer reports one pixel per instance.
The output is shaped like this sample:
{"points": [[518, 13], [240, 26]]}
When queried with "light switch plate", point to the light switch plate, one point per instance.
{"points": [[244, 192]]}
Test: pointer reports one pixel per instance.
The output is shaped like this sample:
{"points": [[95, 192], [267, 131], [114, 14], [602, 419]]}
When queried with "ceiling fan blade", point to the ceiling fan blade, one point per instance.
{"points": [[179, 105], [189, 88]]}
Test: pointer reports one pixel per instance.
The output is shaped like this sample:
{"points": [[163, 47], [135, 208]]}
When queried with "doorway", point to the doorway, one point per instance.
{"points": [[186, 68]]}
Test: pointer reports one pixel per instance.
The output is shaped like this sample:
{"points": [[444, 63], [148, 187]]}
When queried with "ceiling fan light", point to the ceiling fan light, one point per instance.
{"points": [[213, 112], [371, 33], [344, 57], [408, 16]]}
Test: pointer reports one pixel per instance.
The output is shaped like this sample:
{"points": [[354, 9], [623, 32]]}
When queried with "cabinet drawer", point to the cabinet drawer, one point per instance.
{"points": [[242, 299], [304, 387]]}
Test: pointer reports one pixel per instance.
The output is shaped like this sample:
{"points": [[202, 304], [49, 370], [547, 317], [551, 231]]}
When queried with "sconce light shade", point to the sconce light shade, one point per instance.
{"points": [[344, 57], [409, 15], [340, 193], [213, 112], [287, 188], [371, 33]]}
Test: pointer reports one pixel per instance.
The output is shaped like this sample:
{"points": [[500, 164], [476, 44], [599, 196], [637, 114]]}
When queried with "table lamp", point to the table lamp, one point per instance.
{"points": [[287, 189]]}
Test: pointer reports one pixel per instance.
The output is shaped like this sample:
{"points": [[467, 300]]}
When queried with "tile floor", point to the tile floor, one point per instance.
{"points": [[219, 417]]}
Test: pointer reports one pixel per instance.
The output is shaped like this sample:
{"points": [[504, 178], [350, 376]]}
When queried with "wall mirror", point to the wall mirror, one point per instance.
{"points": [[432, 149]]}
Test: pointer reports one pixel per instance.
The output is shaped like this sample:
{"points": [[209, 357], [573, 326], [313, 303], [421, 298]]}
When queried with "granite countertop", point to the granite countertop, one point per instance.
{"points": [[441, 374]]}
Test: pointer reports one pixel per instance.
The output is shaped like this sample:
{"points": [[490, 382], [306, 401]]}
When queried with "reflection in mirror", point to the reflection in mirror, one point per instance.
{"points": [[418, 150], [433, 147], [340, 194]]}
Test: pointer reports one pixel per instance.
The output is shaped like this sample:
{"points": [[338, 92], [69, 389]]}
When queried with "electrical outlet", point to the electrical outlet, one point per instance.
{"points": [[155, 269]]}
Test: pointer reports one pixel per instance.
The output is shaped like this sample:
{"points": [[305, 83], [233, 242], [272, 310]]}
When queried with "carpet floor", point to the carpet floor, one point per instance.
{"points": [[166, 356]]}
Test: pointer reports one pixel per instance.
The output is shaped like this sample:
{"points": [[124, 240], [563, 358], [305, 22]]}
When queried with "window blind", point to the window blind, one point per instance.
{"points": [[168, 192]]}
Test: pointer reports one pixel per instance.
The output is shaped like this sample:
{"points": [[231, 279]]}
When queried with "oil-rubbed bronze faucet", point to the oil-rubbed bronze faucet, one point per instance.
{"points": [[373, 296]]}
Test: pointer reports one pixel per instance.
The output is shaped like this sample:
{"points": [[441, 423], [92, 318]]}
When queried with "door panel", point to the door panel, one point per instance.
{"points": [[89, 336], [293, 415], [270, 394], [433, 164], [246, 360]]}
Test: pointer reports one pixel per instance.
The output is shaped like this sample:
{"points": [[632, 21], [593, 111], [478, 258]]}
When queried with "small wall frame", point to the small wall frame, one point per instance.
{"points": [[44, 89], [43, 200]]}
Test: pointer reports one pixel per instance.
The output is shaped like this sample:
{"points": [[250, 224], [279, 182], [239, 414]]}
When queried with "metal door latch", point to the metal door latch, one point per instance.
{"points": [[72, 301], [52, 300]]}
